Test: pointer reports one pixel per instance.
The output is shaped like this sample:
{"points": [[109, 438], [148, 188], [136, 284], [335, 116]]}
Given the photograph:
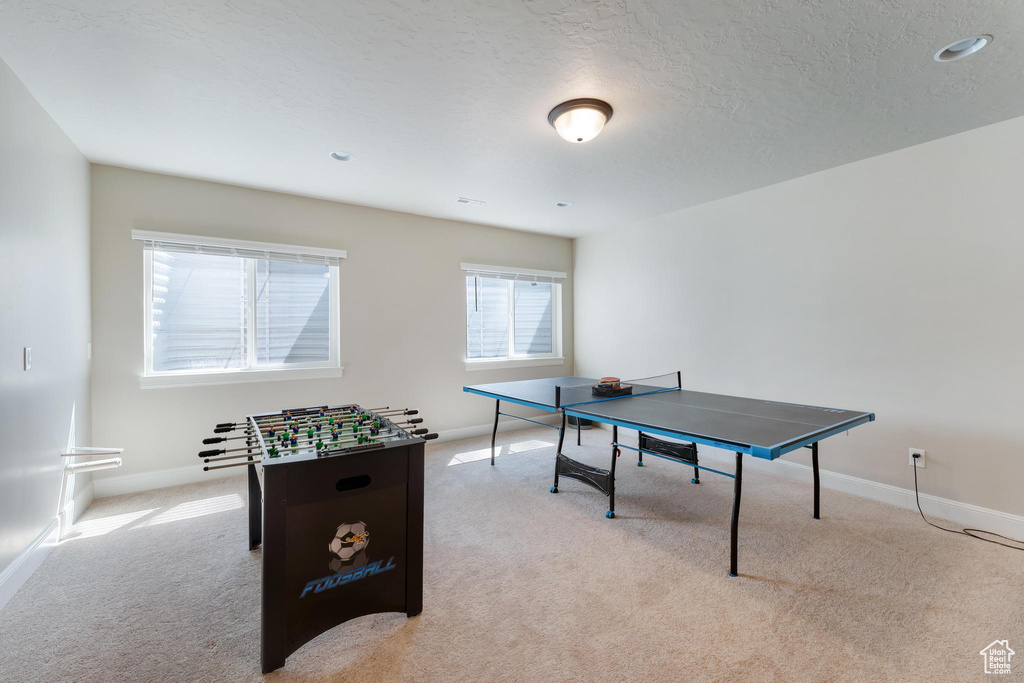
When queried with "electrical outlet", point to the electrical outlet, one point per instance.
{"points": [[917, 462], [28, 357]]}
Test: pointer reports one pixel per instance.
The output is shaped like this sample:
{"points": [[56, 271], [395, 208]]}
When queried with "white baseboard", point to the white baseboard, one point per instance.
{"points": [[963, 514], [960, 514], [83, 499], [506, 425], [16, 574], [937, 508], [158, 479]]}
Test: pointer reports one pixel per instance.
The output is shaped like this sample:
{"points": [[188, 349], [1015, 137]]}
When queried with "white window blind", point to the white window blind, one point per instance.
{"points": [[511, 313], [292, 312], [506, 273], [198, 313], [238, 306], [213, 246]]}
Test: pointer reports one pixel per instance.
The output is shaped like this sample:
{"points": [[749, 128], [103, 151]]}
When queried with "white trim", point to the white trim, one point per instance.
{"points": [[190, 474], [250, 330], [238, 377], [200, 241], [147, 310], [937, 508], [82, 500], [106, 487], [330, 368], [505, 270], [72, 511], [28, 560], [963, 514], [485, 429], [505, 363], [554, 357], [334, 320]]}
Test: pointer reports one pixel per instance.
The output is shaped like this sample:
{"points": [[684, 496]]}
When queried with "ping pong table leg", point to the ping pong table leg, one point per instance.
{"points": [[578, 432], [494, 432], [817, 485], [558, 452], [733, 550], [561, 435], [611, 479], [639, 453]]}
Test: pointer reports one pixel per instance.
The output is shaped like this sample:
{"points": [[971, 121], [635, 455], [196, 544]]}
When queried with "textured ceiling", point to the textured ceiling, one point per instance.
{"points": [[438, 100]]}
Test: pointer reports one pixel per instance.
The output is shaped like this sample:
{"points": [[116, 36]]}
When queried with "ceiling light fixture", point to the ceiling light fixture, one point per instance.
{"points": [[580, 120], [563, 205], [962, 48], [342, 156]]}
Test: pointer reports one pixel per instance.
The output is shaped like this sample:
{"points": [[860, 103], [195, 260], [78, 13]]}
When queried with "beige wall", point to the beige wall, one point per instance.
{"points": [[402, 311], [893, 285], [44, 304]]}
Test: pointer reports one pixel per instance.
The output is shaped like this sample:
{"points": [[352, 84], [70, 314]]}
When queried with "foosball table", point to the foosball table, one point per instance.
{"points": [[336, 501]]}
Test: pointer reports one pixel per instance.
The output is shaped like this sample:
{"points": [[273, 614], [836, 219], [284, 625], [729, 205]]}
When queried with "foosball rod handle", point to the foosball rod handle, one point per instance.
{"points": [[222, 439]]}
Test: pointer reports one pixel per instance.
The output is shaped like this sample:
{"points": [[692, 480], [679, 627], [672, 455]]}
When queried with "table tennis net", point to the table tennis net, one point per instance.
{"points": [[582, 394]]}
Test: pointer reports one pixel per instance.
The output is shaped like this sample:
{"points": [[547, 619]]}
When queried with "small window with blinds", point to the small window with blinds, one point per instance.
{"points": [[512, 313], [219, 306]]}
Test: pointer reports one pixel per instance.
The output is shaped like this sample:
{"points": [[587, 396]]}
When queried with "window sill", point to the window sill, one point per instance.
{"points": [[506, 363], [237, 377]]}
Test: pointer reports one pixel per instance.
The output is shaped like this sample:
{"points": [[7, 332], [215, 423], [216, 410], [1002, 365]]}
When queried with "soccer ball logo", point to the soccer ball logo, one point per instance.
{"points": [[349, 539]]}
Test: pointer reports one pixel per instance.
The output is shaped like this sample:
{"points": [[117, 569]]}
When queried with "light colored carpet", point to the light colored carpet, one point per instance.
{"points": [[524, 585]]}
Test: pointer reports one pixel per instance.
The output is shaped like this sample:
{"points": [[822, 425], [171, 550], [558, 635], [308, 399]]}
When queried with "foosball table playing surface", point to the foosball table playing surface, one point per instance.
{"points": [[336, 501]]}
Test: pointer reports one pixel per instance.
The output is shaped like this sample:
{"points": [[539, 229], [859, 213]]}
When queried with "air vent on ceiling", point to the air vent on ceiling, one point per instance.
{"points": [[467, 200]]}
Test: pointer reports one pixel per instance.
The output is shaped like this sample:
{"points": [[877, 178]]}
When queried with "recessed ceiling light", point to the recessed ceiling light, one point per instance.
{"points": [[580, 120], [342, 156], [962, 48], [563, 204]]}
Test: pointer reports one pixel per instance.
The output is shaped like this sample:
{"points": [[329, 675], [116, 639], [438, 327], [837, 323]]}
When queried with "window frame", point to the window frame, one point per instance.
{"points": [[253, 372], [554, 357]]}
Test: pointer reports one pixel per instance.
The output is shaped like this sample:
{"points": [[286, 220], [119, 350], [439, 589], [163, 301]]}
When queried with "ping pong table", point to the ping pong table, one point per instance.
{"points": [[660, 407]]}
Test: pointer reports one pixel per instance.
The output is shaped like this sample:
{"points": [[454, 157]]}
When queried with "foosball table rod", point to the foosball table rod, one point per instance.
{"points": [[303, 439], [221, 439], [306, 445], [340, 416], [208, 468], [303, 412], [265, 429], [232, 426]]}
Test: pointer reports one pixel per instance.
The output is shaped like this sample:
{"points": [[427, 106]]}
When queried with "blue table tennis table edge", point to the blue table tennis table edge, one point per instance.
{"points": [[499, 397], [553, 408], [764, 452]]}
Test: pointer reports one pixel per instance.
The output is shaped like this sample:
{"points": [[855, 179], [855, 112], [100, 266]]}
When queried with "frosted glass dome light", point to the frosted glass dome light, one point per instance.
{"points": [[580, 120]]}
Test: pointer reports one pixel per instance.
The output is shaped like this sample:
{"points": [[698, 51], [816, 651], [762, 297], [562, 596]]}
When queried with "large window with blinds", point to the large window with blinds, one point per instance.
{"points": [[512, 313], [216, 306]]}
